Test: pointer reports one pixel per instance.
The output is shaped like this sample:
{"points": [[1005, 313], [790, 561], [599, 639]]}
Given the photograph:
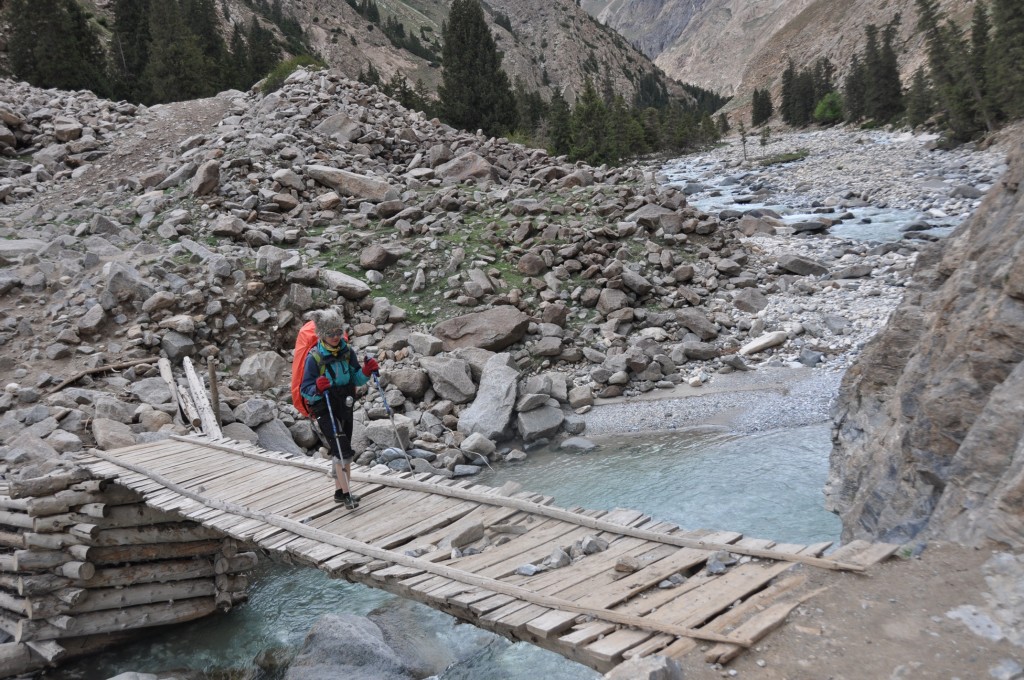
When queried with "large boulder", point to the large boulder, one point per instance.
{"points": [[929, 439], [350, 287], [467, 166], [491, 411], [494, 329], [346, 646], [540, 422]]}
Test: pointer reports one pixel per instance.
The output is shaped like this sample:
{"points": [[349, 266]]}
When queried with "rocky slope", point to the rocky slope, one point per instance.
{"points": [[930, 422]]}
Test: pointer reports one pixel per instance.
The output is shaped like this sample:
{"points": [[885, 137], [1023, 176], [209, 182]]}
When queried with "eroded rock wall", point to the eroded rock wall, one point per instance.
{"points": [[929, 424]]}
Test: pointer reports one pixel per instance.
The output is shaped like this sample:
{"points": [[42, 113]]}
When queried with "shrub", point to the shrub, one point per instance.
{"points": [[275, 79], [829, 110]]}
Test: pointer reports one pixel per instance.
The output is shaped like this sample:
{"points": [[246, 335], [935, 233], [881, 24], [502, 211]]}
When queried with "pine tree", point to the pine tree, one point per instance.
{"points": [[948, 61], [474, 91], [920, 100], [129, 49], [559, 125], [1006, 56], [723, 124], [589, 127], [803, 98], [762, 108], [824, 72], [238, 69], [786, 106], [889, 87], [202, 22], [263, 50], [854, 90], [52, 45], [175, 70]]}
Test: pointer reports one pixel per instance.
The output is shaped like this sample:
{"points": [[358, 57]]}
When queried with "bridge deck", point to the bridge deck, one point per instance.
{"points": [[460, 548]]}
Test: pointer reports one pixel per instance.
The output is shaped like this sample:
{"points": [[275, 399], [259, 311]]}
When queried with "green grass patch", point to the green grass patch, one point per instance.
{"points": [[797, 155]]}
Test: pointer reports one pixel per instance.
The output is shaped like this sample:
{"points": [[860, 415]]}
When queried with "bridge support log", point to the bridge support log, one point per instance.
{"points": [[84, 563]]}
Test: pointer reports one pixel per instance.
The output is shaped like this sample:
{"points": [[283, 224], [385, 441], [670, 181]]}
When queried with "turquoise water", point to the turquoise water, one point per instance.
{"points": [[766, 485]]}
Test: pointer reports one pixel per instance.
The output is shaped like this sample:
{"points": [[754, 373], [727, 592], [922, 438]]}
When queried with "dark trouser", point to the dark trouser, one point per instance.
{"points": [[343, 418]]}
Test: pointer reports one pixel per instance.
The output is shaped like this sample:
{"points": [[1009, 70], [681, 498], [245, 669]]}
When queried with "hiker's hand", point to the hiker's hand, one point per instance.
{"points": [[370, 366], [322, 384]]}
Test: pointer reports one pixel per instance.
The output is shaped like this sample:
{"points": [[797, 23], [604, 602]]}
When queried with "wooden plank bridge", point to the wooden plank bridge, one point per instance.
{"points": [[465, 549]]}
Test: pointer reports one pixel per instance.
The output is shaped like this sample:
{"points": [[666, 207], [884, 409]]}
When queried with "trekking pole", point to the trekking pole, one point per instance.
{"points": [[340, 462], [391, 414]]}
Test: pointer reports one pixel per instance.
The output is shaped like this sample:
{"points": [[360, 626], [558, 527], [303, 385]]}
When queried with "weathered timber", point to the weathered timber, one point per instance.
{"points": [[38, 560], [153, 551], [240, 562], [158, 533], [131, 596], [13, 518], [7, 503], [151, 572], [47, 649], [62, 501], [123, 516], [142, 616], [12, 539], [47, 484], [77, 570], [50, 541], [201, 400], [232, 582]]}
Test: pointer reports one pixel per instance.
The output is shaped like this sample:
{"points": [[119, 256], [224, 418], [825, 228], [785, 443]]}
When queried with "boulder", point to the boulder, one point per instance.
{"points": [[750, 300], [340, 125], [110, 434], [467, 166], [206, 179], [274, 435], [348, 183], [263, 370], [349, 287], [766, 341], [346, 646], [450, 378], [804, 266], [697, 323], [254, 412], [539, 423], [491, 411], [494, 329], [411, 382]]}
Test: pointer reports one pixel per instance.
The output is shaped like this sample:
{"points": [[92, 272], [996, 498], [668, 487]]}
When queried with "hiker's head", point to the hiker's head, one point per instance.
{"points": [[330, 325]]}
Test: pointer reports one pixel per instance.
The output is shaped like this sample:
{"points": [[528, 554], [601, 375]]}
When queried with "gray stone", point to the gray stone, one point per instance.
{"points": [[581, 396], [340, 125], [274, 435], [450, 378], [611, 300], [411, 382], [577, 444], [254, 412], [240, 432], [465, 167], [764, 342], [491, 410], [750, 300], [110, 434], [539, 423], [350, 184], [91, 322], [114, 409], [697, 323], [177, 346], [346, 646], [263, 370], [151, 390], [479, 444], [647, 668], [425, 344], [350, 287], [804, 266], [206, 179], [493, 329]]}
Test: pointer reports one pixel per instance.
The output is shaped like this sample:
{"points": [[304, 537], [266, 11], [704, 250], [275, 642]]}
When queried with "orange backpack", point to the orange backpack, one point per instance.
{"points": [[304, 341]]}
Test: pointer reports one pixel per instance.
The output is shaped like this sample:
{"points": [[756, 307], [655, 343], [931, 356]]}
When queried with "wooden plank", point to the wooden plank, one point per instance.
{"points": [[874, 554]]}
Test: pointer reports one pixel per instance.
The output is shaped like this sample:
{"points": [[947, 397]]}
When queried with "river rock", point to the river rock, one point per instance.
{"points": [[274, 435], [539, 423], [450, 378], [804, 266], [346, 646], [467, 166], [110, 434], [349, 286], [350, 184]]}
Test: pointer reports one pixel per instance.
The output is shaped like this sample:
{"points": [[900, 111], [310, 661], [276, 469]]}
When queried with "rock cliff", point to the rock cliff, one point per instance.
{"points": [[929, 424]]}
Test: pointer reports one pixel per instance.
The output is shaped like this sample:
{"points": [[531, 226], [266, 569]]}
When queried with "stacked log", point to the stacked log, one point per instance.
{"points": [[84, 563]]}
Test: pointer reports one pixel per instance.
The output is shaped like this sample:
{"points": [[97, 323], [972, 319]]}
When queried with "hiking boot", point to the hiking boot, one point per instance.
{"points": [[350, 502], [355, 499], [339, 496]]}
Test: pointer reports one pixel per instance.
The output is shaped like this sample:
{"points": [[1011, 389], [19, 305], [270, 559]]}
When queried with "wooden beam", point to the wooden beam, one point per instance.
{"points": [[202, 402], [100, 369]]}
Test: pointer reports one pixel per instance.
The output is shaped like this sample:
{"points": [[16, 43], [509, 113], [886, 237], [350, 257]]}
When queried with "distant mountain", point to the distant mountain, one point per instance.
{"points": [[733, 46]]}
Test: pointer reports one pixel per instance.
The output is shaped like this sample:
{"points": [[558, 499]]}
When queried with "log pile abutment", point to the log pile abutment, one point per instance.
{"points": [[85, 564]]}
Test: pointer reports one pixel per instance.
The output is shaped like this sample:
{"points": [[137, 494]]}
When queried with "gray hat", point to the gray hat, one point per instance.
{"points": [[328, 322]]}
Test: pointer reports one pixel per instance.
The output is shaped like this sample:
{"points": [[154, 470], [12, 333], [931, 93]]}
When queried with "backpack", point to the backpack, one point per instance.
{"points": [[304, 342]]}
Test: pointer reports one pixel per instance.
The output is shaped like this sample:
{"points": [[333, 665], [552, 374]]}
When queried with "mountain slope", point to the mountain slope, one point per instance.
{"points": [[733, 46]]}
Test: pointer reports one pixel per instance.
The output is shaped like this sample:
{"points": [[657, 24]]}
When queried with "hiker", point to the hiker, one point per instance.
{"points": [[329, 380]]}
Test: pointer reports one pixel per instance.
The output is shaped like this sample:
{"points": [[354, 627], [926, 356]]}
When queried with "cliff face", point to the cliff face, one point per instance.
{"points": [[929, 424]]}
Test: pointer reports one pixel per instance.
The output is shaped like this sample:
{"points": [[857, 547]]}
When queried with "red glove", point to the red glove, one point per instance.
{"points": [[322, 384], [370, 366]]}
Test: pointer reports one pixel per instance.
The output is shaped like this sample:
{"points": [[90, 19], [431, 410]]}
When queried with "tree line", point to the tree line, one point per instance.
{"points": [[158, 50], [973, 82]]}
